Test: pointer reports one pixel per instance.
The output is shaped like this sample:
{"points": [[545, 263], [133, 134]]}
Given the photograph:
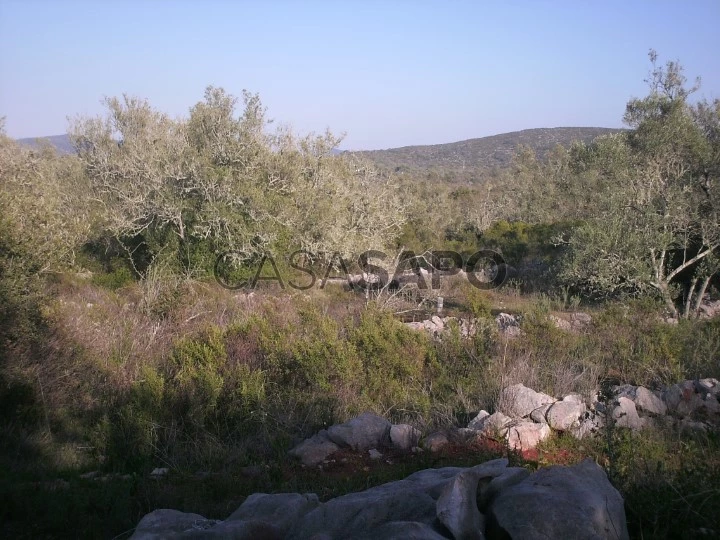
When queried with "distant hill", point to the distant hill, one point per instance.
{"points": [[483, 154], [469, 157], [61, 143]]}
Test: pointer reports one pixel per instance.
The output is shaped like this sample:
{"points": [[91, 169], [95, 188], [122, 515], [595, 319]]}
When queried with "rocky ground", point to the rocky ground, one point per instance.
{"points": [[490, 500]]}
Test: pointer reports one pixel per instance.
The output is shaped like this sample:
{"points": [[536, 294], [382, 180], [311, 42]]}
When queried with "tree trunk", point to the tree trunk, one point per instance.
{"points": [[688, 298], [700, 294]]}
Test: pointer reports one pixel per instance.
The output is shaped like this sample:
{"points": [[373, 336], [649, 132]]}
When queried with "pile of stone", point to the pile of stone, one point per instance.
{"points": [[366, 433], [574, 322], [490, 500], [436, 325], [526, 417]]}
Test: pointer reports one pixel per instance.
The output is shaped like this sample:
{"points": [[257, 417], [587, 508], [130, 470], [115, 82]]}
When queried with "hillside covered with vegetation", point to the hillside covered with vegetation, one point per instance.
{"points": [[474, 159]]}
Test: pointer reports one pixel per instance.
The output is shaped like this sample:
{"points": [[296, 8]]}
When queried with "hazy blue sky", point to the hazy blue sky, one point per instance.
{"points": [[388, 73]]}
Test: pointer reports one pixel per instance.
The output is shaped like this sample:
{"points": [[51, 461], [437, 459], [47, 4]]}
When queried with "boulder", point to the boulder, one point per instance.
{"points": [[404, 437], [496, 425], [580, 318], [539, 414], [648, 402], [361, 433], [519, 401], [559, 502], [166, 523], [564, 415], [509, 477], [315, 450], [410, 530], [237, 530], [708, 386], [527, 435], [461, 503], [457, 507], [590, 424], [439, 324], [478, 422], [625, 414], [560, 323], [674, 396], [412, 499], [281, 510], [435, 442]]}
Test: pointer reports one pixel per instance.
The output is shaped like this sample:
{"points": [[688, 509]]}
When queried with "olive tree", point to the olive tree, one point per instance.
{"points": [[218, 181], [663, 228]]}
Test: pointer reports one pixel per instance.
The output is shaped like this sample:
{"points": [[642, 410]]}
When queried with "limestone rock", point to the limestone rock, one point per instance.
{"points": [[527, 435], [403, 437], [457, 507], [519, 400], [626, 415], [478, 422], [314, 450], [361, 433], [356, 514], [564, 415], [559, 502], [409, 530], [435, 442], [166, 523], [281, 510], [496, 425], [647, 401], [539, 414], [509, 477]]}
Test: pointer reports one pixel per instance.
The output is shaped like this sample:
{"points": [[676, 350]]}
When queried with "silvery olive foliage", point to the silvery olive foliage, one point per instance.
{"points": [[226, 179]]}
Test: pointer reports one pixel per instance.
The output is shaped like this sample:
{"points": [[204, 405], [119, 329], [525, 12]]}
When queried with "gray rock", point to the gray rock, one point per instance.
{"points": [[404, 437], [539, 414], [519, 400], [574, 398], [510, 477], [625, 414], [435, 442], [496, 425], [581, 318], [560, 324], [410, 530], [314, 450], [527, 435], [236, 530], [591, 424], [559, 502], [711, 386], [164, 523], [412, 499], [375, 454], [281, 510], [464, 435], [565, 415], [648, 402], [677, 396], [361, 433], [439, 324], [477, 422], [625, 390], [457, 507]]}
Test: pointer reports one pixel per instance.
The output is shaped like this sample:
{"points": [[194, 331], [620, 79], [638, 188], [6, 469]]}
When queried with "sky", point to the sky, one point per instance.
{"points": [[385, 73]]}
